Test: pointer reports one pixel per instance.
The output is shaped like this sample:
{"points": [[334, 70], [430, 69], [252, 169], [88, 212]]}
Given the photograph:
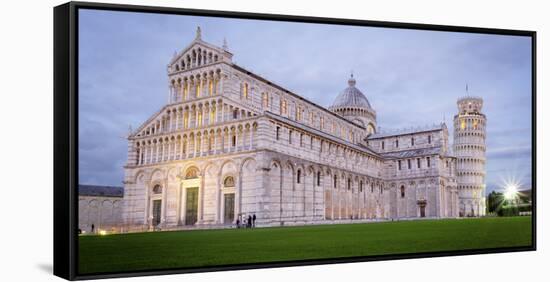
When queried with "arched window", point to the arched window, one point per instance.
{"points": [[210, 142], [335, 181], [290, 137], [198, 89], [402, 191], [245, 90], [138, 152], [412, 141], [186, 121], [318, 178], [397, 143], [157, 189], [299, 113], [283, 107], [191, 173], [199, 119], [212, 116], [186, 91], [370, 128], [349, 183], [265, 100], [298, 176], [429, 139], [229, 182], [361, 186]]}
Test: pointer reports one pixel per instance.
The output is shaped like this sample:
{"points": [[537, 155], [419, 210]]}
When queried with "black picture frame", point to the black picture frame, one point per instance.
{"points": [[66, 134]]}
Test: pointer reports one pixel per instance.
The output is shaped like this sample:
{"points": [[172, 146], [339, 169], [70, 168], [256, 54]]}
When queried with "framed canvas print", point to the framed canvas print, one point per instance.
{"points": [[197, 140]]}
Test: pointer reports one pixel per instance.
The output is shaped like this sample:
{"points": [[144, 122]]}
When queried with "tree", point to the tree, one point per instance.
{"points": [[494, 201]]}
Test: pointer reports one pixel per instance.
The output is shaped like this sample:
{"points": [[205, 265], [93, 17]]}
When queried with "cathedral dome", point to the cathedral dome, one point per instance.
{"points": [[351, 97]]}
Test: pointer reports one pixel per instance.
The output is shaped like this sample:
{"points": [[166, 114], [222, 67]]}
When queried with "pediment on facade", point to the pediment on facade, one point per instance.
{"points": [[198, 53]]}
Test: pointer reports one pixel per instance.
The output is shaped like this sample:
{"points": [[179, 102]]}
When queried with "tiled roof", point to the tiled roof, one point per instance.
{"points": [[413, 153], [406, 131], [101, 191]]}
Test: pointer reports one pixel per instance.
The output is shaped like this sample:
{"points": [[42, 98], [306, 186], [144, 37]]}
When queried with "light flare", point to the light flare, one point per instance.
{"points": [[511, 191]]}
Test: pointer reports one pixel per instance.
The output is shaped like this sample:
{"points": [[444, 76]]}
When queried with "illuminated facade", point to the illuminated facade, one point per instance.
{"points": [[230, 143]]}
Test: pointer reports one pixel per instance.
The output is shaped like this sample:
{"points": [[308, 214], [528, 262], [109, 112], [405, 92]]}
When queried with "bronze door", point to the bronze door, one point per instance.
{"points": [[157, 207], [228, 208], [191, 205]]}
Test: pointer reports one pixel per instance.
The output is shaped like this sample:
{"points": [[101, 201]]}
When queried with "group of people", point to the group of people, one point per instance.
{"points": [[247, 222]]}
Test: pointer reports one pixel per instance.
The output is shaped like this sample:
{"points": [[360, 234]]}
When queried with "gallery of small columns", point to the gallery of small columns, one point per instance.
{"points": [[195, 58], [196, 84], [202, 112], [229, 138], [470, 123]]}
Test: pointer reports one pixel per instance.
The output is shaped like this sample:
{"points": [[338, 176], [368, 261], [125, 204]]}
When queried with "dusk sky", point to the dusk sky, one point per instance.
{"points": [[411, 78]]}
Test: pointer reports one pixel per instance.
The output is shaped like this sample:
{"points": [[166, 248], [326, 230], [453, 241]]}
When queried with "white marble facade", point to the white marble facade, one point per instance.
{"points": [[230, 143]]}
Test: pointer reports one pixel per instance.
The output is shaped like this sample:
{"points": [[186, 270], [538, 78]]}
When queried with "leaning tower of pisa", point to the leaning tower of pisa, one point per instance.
{"points": [[469, 149]]}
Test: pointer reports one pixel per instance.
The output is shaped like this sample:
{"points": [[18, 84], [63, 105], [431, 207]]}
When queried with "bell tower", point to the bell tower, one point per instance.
{"points": [[469, 149]]}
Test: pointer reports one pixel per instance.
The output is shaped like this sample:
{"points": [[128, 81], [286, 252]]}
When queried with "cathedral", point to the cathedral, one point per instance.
{"points": [[229, 143]]}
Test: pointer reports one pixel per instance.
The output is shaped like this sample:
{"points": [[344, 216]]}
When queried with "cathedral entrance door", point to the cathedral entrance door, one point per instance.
{"points": [[422, 206], [156, 212], [191, 205], [422, 211], [228, 208]]}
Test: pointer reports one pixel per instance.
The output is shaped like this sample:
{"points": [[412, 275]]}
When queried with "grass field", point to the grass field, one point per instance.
{"points": [[198, 248]]}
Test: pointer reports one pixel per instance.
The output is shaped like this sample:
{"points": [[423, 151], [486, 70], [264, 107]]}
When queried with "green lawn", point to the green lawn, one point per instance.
{"points": [[179, 249]]}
